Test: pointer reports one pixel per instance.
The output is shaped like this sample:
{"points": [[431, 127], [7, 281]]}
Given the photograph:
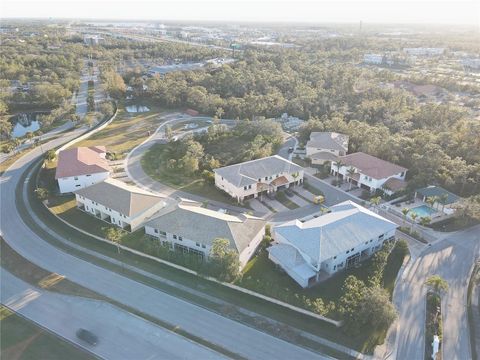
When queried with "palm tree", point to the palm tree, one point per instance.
{"points": [[375, 201], [351, 171], [413, 216], [431, 200], [405, 212], [338, 165], [437, 284], [443, 200]]}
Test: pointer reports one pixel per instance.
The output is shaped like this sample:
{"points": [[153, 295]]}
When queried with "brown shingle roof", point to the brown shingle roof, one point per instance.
{"points": [[81, 161], [371, 166], [395, 184]]}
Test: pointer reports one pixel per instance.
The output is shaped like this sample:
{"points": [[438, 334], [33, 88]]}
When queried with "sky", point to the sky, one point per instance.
{"points": [[465, 12]]}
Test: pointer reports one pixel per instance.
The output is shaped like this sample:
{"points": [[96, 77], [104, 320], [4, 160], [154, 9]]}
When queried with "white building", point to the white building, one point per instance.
{"points": [[370, 173], [92, 39], [81, 167], [119, 204], [326, 146], [317, 248], [376, 59], [190, 228], [251, 178]]}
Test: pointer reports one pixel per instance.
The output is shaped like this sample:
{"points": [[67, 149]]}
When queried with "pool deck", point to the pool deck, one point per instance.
{"points": [[438, 215]]}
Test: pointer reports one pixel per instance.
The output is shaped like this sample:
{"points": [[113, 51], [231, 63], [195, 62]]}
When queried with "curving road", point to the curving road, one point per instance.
{"points": [[452, 258], [211, 327]]}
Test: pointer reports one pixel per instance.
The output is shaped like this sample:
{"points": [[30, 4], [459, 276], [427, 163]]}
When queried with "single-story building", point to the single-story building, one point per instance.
{"points": [[190, 228], [81, 167], [323, 245], [443, 198], [370, 173], [326, 146], [117, 203], [252, 178]]}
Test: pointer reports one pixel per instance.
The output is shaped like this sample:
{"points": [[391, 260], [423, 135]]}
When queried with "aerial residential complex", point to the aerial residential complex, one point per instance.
{"points": [[188, 227], [81, 167], [311, 250], [325, 147], [253, 178], [370, 173]]}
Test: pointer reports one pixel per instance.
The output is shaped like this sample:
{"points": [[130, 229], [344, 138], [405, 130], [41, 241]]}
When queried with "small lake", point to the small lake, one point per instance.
{"points": [[136, 108], [24, 123]]}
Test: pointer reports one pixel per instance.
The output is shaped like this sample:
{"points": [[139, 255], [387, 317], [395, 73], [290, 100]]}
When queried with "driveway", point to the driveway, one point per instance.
{"points": [[332, 194], [452, 259], [257, 206], [275, 204], [212, 327], [115, 328]]}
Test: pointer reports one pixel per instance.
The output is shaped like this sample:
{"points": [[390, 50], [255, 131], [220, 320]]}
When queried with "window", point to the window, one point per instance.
{"points": [[198, 244], [352, 249], [89, 175], [348, 251], [155, 231], [381, 236], [366, 242], [334, 267], [266, 177], [249, 186], [371, 240], [75, 178], [204, 246], [175, 236], [245, 187], [180, 238], [334, 257], [77, 185], [163, 233]]}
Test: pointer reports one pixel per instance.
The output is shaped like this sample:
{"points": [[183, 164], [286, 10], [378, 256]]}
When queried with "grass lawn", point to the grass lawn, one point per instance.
{"points": [[24, 340], [284, 200], [126, 131], [311, 188], [154, 164], [299, 161], [453, 224]]}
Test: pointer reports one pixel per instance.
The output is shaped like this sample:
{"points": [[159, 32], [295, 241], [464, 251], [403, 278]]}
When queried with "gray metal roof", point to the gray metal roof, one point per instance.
{"points": [[203, 225], [439, 191], [328, 140], [249, 172], [347, 226], [116, 195]]}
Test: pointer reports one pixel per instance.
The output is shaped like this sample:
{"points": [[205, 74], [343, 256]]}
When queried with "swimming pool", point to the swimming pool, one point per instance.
{"points": [[423, 211]]}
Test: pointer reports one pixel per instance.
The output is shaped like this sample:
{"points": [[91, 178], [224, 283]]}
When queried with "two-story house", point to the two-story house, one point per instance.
{"points": [[117, 203], [190, 228], [251, 178], [326, 146], [319, 247], [81, 167], [370, 173]]}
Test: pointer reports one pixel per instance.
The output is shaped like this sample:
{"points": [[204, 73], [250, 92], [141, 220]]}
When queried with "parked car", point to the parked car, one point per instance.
{"points": [[87, 336]]}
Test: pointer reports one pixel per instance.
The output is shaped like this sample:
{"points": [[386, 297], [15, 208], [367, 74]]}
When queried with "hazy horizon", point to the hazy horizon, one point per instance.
{"points": [[266, 11]]}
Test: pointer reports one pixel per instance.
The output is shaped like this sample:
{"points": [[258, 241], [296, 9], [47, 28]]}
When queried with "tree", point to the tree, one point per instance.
{"points": [[405, 212], [168, 132], [29, 135], [224, 261], [50, 155], [431, 200], [375, 201], [114, 235], [425, 220], [437, 284], [413, 216], [114, 84], [351, 171], [42, 193], [375, 308], [338, 165], [5, 128], [468, 208], [443, 200]]}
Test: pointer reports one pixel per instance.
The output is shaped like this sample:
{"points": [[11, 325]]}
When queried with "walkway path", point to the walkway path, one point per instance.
{"points": [[115, 328]]}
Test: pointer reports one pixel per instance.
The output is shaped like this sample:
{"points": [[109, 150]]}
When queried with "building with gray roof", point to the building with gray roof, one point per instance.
{"points": [[188, 227], [251, 178], [330, 242], [326, 146]]}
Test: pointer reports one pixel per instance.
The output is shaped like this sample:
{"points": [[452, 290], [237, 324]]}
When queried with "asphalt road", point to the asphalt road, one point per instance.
{"points": [[213, 328], [452, 259], [115, 328]]}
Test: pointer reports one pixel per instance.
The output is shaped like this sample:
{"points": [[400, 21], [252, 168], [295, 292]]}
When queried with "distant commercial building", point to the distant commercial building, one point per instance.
{"points": [[252, 178], [421, 51], [93, 39], [321, 246], [375, 59], [290, 123], [471, 64], [81, 167]]}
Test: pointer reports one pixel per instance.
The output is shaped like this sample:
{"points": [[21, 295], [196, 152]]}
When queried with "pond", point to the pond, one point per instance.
{"points": [[136, 108], [24, 123]]}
